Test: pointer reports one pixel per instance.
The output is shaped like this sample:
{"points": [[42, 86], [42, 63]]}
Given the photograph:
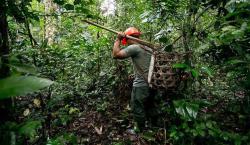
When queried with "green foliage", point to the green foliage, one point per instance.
{"points": [[180, 65], [23, 68], [207, 133], [187, 110], [29, 128], [187, 68], [26, 130], [66, 138], [149, 136], [207, 70], [212, 109], [193, 129], [21, 85], [64, 115], [59, 2]]}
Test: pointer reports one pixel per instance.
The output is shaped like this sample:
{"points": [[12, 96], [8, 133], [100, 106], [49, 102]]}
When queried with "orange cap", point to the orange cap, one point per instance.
{"points": [[132, 31]]}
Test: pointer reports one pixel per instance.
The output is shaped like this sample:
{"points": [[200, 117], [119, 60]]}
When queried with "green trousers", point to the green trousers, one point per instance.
{"points": [[144, 105]]}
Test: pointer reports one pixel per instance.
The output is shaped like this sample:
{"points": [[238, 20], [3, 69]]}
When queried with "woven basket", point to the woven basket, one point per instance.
{"points": [[161, 73]]}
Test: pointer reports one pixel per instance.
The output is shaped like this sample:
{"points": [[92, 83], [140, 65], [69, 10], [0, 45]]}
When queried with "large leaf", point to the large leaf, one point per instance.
{"points": [[187, 110], [29, 128], [207, 70], [16, 64], [21, 85], [180, 65], [25, 68], [194, 73], [230, 6], [235, 62]]}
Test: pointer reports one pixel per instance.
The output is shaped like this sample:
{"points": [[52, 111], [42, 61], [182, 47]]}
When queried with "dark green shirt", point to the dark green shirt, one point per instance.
{"points": [[140, 58]]}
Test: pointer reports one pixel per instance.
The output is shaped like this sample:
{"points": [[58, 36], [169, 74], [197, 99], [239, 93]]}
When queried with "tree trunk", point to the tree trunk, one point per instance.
{"points": [[4, 43], [5, 105], [50, 22]]}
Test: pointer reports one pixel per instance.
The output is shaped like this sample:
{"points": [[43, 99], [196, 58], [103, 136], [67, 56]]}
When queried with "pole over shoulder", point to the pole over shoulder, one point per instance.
{"points": [[143, 42]]}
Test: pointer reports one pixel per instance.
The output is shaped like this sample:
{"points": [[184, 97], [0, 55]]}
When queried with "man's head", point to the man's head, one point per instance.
{"points": [[131, 31]]}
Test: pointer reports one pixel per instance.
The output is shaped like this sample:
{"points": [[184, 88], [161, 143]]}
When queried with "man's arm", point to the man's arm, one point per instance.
{"points": [[118, 53]]}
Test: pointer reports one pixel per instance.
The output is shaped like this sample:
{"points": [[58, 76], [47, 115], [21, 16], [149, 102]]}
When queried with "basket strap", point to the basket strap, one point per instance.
{"points": [[146, 49]]}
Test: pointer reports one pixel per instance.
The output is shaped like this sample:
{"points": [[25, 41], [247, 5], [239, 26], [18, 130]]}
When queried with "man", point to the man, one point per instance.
{"points": [[142, 96]]}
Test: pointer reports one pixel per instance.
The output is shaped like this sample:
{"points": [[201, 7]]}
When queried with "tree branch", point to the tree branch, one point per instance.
{"points": [[32, 39], [198, 17]]}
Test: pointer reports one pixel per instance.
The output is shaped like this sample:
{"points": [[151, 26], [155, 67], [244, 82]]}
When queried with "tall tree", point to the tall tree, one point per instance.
{"points": [[50, 27], [4, 46], [4, 52]]}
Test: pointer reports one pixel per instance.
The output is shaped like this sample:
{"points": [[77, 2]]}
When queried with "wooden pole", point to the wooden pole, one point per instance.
{"points": [[100, 26], [127, 36]]}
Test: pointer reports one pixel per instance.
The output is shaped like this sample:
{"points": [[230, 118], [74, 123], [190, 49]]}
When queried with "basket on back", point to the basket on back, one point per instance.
{"points": [[161, 73]]}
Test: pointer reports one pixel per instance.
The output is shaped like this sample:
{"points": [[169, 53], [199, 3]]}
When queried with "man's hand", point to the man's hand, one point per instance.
{"points": [[120, 35], [118, 53]]}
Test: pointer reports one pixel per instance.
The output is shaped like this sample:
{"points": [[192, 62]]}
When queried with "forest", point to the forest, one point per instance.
{"points": [[60, 85]]}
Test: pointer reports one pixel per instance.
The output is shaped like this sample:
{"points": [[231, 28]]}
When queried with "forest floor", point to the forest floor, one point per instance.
{"points": [[99, 119], [95, 124], [111, 126]]}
